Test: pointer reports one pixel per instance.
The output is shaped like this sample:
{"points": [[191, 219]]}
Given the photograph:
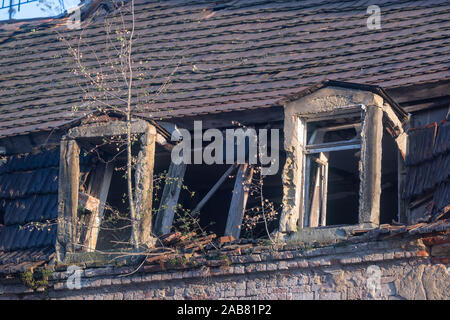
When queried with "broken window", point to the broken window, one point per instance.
{"points": [[344, 151], [331, 170], [94, 210], [332, 175]]}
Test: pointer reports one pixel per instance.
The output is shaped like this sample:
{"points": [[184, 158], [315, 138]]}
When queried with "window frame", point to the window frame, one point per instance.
{"points": [[315, 145], [69, 181]]}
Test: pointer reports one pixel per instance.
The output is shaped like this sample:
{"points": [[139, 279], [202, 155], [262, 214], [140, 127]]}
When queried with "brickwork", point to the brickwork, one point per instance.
{"points": [[377, 270]]}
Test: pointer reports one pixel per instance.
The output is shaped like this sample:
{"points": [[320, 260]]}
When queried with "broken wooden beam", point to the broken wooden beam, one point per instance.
{"points": [[87, 201], [163, 142], [143, 194], [169, 199], [99, 187], [239, 200], [68, 184]]}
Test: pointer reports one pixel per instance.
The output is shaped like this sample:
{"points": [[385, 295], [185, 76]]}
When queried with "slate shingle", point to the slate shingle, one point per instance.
{"points": [[248, 54]]}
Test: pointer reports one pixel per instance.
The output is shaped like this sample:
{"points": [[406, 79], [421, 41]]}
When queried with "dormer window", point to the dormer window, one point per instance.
{"points": [[335, 139]]}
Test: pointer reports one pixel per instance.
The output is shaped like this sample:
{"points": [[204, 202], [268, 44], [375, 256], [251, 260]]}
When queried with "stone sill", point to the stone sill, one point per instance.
{"points": [[327, 234]]}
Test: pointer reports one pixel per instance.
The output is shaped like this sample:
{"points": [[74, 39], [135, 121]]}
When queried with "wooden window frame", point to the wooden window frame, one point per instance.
{"points": [[69, 179]]}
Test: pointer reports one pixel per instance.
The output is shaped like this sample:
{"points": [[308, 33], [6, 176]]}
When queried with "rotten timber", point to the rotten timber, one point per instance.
{"points": [[239, 200], [143, 194], [370, 171], [395, 129], [98, 187], [169, 199], [68, 184]]}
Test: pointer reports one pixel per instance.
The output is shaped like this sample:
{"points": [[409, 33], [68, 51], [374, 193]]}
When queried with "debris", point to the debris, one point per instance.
{"points": [[88, 202], [226, 239]]}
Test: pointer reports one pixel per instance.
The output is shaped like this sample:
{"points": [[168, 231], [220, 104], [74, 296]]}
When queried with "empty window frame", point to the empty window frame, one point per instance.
{"points": [[331, 185], [90, 191]]}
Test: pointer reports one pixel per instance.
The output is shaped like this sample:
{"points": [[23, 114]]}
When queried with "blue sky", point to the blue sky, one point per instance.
{"points": [[35, 8]]}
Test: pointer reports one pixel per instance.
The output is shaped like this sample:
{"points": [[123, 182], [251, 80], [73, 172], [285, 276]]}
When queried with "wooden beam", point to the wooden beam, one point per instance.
{"points": [[239, 200], [99, 187], [370, 167], [68, 184], [143, 195], [163, 142], [318, 208], [214, 188], [396, 129], [333, 146], [169, 198], [108, 129]]}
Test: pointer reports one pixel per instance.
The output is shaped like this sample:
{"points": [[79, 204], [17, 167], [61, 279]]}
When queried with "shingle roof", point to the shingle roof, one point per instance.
{"points": [[29, 203], [231, 56], [428, 166]]}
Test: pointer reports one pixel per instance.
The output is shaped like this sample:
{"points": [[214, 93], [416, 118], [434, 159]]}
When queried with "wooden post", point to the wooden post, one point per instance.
{"points": [[69, 173], [169, 199], [143, 194], [318, 210], [239, 200], [99, 187], [370, 171]]}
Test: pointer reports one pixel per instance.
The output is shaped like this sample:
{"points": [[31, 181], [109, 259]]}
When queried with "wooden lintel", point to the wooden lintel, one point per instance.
{"points": [[109, 129], [239, 200]]}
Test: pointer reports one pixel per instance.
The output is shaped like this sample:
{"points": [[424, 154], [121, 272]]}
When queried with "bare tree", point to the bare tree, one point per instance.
{"points": [[107, 74]]}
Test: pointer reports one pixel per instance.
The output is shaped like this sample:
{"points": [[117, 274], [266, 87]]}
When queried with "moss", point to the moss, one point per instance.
{"points": [[36, 279], [226, 260], [341, 244], [177, 261]]}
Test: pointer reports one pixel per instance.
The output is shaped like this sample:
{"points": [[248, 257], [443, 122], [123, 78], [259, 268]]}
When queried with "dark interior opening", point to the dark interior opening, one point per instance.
{"points": [[115, 229], [343, 187], [199, 179], [2, 217], [272, 190], [389, 180], [160, 170]]}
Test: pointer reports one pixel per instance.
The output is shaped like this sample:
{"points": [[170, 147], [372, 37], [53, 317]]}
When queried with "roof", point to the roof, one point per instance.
{"points": [[428, 171], [403, 116], [232, 55], [28, 202]]}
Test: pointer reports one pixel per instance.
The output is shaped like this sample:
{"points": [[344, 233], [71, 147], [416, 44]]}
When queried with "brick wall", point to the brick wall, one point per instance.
{"points": [[377, 270]]}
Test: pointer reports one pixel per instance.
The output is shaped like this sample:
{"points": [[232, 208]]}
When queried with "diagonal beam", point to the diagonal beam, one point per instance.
{"points": [[214, 188], [239, 200]]}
